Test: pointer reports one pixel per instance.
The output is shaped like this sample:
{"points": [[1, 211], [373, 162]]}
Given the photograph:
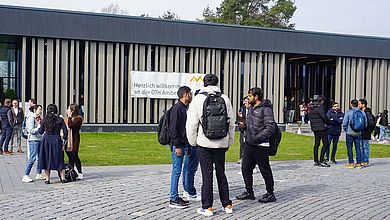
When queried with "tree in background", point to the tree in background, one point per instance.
{"points": [[169, 15], [114, 9], [263, 13]]}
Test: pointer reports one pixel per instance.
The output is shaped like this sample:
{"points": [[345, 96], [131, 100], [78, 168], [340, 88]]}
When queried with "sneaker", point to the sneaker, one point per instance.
{"points": [[7, 153], [316, 164], [267, 198], [40, 176], [350, 165], [358, 166], [324, 164], [179, 204], [182, 200], [333, 161], [26, 179], [228, 209], [195, 197], [365, 164], [206, 212], [80, 176], [255, 170], [245, 195], [185, 194]]}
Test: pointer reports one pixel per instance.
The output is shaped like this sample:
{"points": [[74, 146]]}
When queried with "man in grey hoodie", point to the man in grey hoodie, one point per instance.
{"points": [[211, 151]]}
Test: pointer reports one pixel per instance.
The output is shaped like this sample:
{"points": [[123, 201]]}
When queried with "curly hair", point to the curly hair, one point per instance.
{"points": [[51, 115]]}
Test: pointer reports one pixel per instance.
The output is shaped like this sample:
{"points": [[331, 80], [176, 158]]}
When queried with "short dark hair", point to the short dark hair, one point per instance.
{"points": [[256, 91], [183, 90], [335, 103], [321, 98], [354, 102], [385, 112], [210, 80], [363, 101]]}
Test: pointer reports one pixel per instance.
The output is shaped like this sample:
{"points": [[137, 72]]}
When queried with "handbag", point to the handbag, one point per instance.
{"points": [[24, 130], [70, 174]]}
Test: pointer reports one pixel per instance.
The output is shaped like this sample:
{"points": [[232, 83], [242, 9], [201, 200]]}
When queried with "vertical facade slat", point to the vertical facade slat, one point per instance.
{"points": [[252, 72], [93, 82], [382, 85], [135, 100], [191, 61], [359, 79], [64, 77], [348, 85], [130, 100], [208, 61], [77, 74], [71, 74], [169, 68], [369, 82], [338, 81], [49, 72], [101, 82], [109, 83], [182, 60], [226, 72], [353, 78], [162, 68], [117, 89], [277, 88], [196, 61], [265, 78], [156, 101], [247, 74], [148, 68], [57, 74], [201, 61], [213, 60], [281, 92], [122, 80], [218, 64], [259, 71], [33, 65], [375, 75], [141, 67], [388, 85], [235, 79], [270, 75], [40, 74], [86, 83], [23, 76]]}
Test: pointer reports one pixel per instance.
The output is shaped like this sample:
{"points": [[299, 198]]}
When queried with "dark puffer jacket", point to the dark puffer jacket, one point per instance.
{"points": [[318, 119], [260, 124], [366, 135], [336, 120]]}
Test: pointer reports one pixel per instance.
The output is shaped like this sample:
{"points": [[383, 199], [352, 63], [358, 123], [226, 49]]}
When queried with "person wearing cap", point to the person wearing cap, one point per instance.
{"points": [[211, 152]]}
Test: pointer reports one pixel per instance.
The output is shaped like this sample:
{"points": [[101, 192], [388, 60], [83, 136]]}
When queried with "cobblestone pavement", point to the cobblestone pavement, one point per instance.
{"points": [[141, 192]]}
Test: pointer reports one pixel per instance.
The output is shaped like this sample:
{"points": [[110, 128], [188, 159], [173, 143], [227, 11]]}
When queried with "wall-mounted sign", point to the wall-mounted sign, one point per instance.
{"points": [[162, 85]]}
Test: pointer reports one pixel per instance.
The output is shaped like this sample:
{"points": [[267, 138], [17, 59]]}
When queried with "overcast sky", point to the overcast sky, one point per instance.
{"points": [[360, 17]]}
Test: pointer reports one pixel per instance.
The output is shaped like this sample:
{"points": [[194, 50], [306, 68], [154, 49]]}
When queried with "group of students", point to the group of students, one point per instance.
{"points": [[48, 137], [358, 123], [194, 141]]}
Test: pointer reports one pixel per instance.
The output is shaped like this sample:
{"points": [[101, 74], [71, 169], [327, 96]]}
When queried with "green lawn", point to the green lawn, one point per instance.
{"points": [[102, 149]]}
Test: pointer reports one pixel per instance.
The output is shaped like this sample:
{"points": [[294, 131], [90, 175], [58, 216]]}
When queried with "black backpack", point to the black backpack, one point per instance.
{"points": [[164, 137], [370, 121], [215, 121], [274, 141]]}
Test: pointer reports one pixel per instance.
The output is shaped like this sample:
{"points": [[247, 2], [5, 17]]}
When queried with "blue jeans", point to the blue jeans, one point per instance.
{"points": [[6, 137], [383, 135], [365, 151], [34, 155], [335, 140], [190, 166], [191, 162], [357, 140], [302, 119]]}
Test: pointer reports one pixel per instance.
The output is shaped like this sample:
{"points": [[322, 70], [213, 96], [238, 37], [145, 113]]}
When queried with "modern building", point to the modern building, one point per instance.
{"points": [[63, 57]]}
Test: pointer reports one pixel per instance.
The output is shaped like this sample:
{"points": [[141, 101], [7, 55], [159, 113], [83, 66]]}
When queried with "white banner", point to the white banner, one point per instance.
{"points": [[162, 85]]}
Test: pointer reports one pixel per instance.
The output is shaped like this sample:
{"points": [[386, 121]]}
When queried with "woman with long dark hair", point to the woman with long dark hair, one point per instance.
{"points": [[52, 154], [74, 123]]}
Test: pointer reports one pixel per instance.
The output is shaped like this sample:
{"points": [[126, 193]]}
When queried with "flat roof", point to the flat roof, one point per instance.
{"points": [[52, 23]]}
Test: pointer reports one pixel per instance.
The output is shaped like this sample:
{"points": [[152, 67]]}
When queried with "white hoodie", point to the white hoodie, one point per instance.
{"points": [[194, 129]]}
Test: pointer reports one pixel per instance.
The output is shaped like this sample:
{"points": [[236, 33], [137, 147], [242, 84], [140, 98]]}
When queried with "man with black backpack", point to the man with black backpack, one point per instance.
{"points": [[354, 122], [260, 127], [366, 135], [181, 151], [210, 125]]}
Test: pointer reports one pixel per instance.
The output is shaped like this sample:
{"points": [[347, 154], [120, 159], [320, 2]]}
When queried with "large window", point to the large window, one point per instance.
{"points": [[8, 64]]}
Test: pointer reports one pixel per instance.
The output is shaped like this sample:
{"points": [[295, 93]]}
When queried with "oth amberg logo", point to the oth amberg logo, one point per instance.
{"points": [[196, 79]]}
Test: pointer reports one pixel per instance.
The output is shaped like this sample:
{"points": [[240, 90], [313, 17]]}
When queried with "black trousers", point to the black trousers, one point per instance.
{"points": [[257, 155], [242, 144], [74, 160], [318, 136], [208, 157]]}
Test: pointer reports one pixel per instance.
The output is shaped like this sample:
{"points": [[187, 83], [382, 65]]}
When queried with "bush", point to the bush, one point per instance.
{"points": [[10, 94]]}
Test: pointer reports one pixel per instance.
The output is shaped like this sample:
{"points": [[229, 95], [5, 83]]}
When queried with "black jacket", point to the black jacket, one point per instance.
{"points": [[260, 124], [384, 120], [177, 125], [6, 117], [336, 120], [318, 119], [366, 135], [243, 110]]}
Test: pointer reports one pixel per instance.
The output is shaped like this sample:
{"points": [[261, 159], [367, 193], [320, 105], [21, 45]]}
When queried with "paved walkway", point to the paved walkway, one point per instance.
{"points": [[128, 192]]}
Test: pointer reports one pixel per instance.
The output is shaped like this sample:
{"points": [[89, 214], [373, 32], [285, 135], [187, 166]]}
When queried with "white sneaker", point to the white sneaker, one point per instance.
{"points": [[228, 209], [255, 170], [206, 212], [80, 177], [26, 179], [195, 197], [185, 194], [40, 176]]}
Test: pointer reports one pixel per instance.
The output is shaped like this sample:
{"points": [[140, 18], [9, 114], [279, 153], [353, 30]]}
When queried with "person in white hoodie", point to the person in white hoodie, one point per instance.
{"points": [[211, 151]]}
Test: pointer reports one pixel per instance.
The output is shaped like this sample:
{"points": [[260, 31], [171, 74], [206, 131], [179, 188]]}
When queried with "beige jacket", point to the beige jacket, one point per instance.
{"points": [[194, 129]]}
